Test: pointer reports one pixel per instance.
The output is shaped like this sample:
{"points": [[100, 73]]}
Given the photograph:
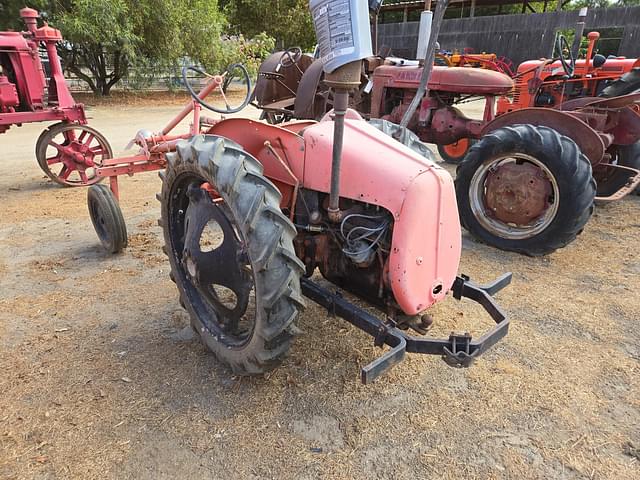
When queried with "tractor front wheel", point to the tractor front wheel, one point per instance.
{"points": [[454, 152], [69, 153], [525, 189], [231, 253], [107, 218]]}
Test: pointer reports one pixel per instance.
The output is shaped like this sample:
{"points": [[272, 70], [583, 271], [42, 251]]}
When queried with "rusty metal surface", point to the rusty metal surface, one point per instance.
{"points": [[447, 79], [625, 126], [269, 90], [589, 140], [517, 193], [449, 125], [576, 103], [303, 107], [616, 102]]}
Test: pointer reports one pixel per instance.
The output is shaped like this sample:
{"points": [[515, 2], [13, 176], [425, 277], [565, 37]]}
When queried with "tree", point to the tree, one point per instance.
{"points": [[104, 37], [288, 21]]}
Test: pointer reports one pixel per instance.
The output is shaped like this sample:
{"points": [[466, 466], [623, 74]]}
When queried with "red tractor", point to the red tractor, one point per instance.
{"points": [[68, 151], [250, 211], [530, 182]]}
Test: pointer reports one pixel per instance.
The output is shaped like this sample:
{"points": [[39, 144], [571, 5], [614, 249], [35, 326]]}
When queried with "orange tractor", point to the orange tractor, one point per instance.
{"points": [[551, 83], [490, 61]]}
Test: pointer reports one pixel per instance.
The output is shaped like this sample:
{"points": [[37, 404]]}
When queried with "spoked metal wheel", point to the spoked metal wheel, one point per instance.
{"points": [[526, 189], [231, 253], [69, 154], [514, 196]]}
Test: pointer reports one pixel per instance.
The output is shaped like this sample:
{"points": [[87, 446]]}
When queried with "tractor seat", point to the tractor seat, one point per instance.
{"points": [[471, 81]]}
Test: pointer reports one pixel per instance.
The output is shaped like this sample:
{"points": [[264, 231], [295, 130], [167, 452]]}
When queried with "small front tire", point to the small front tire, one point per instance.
{"points": [[107, 218]]}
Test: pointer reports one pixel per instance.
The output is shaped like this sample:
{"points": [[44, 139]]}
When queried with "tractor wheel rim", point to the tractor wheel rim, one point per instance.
{"points": [[213, 263], [520, 203], [457, 149], [66, 146]]}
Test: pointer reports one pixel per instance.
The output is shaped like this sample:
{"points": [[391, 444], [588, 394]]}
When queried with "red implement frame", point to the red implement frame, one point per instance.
{"points": [[155, 147]]}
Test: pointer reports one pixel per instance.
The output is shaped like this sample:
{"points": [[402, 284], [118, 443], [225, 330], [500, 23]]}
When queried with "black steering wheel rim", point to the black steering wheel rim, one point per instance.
{"points": [[567, 66], [230, 68], [293, 54]]}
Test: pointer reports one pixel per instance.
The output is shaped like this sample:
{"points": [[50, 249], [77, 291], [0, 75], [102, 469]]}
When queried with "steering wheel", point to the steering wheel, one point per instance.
{"points": [[568, 65], [234, 74], [290, 56]]}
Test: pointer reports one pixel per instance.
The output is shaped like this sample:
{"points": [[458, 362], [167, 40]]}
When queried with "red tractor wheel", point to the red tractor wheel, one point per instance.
{"points": [[455, 152], [69, 154]]}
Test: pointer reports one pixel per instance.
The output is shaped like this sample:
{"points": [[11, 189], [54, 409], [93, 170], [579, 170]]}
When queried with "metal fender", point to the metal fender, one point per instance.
{"points": [[306, 92], [376, 169], [280, 150], [565, 123]]}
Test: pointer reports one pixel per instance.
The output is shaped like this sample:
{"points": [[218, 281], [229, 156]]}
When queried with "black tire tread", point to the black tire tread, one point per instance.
{"points": [[575, 178], [114, 220], [254, 202]]}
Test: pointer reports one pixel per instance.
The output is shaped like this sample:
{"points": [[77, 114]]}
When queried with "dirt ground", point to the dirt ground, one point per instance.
{"points": [[102, 377]]}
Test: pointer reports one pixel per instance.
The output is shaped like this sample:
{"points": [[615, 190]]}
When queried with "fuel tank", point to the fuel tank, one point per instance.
{"points": [[378, 170]]}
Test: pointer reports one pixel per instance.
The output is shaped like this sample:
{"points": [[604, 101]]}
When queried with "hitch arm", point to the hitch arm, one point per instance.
{"points": [[459, 350]]}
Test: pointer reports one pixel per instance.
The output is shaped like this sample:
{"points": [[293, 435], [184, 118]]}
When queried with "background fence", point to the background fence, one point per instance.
{"points": [[521, 37]]}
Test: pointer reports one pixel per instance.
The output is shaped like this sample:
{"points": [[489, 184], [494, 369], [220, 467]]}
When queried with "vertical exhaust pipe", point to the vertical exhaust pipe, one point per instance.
{"points": [[577, 39], [427, 64]]}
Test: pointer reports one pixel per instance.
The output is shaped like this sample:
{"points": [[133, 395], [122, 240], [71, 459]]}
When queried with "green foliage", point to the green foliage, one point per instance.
{"points": [[10, 12], [251, 53], [288, 21], [104, 38]]}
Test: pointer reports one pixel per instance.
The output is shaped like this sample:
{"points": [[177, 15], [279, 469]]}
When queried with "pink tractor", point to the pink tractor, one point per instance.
{"points": [[251, 211], [68, 151]]}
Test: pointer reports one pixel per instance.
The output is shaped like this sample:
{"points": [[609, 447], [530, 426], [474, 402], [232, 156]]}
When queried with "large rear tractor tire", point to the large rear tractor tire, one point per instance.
{"points": [[231, 253], [628, 83], [612, 181], [525, 189], [455, 152]]}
